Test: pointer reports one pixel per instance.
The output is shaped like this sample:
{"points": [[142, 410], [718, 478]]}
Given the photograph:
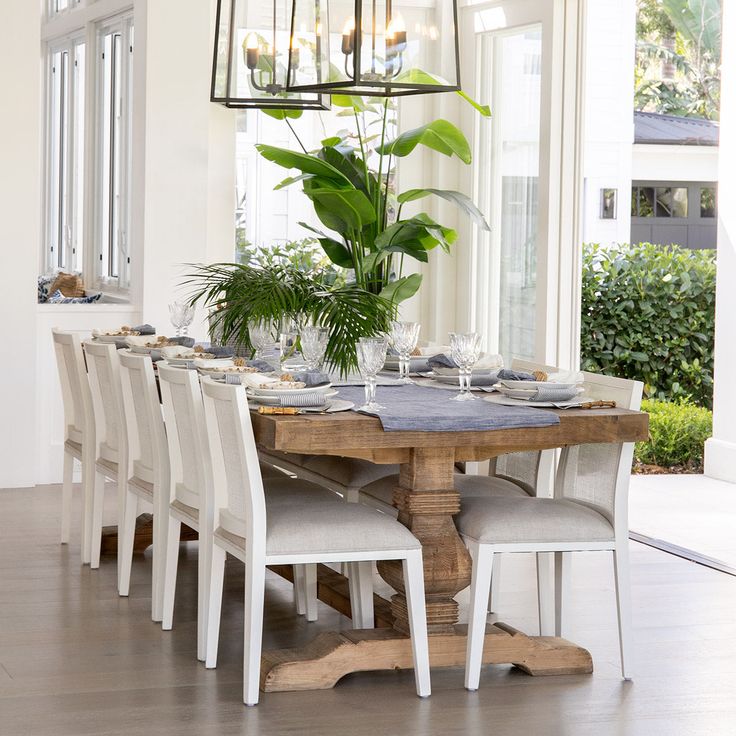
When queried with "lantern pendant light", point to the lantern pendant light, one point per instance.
{"points": [[253, 55], [371, 47]]}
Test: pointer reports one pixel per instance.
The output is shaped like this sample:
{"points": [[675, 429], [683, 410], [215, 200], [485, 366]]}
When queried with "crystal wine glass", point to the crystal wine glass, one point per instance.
{"points": [[261, 337], [403, 338], [371, 353], [465, 349], [314, 344], [182, 315]]}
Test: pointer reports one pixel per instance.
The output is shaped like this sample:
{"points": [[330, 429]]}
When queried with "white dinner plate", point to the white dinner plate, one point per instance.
{"points": [[535, 384]]}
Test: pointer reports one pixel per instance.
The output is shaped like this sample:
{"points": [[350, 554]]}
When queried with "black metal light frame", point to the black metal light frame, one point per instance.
{"points": [[275, 102], [373, 88]]}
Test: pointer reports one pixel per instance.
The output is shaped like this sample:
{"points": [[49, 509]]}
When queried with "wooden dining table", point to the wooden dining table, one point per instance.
{"points": [[426, 500]]}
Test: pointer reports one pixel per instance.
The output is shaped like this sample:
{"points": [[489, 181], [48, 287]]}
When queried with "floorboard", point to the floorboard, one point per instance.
{"points": [[77, 660]]}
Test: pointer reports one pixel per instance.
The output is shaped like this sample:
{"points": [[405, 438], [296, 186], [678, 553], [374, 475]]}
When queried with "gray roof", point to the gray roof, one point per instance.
{"points": [[651, 127]]}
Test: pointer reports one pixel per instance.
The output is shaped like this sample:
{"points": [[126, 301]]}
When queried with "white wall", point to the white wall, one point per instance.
{"points": [[674, 163], [183, 205], [20, 220], [609, 116]]}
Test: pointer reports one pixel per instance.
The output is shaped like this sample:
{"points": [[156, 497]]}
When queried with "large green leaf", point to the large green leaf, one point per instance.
{"points": [[439, 135], [306, 163], [420, 231], [345, 161], [349, 205], [401, 289], [418, 76], [337, 252], [282, 114], [457, 198]]}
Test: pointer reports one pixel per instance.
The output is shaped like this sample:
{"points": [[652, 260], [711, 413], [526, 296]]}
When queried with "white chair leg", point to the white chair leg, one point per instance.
{"points": [[98, 505], [310, 591], [171, 564], [127, 529], [255, 581], [494, 599], [562, 590], [623, 602], [204, 567], [66, 497], [88, 479], [214, 606], [360, 583], [480, 584], [300, 602], [545, 594], [417, 610], [160, 529]]}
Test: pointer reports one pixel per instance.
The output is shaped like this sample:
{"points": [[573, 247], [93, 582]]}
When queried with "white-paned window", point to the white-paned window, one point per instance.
{"points": [[65, 131], [54, 7], [113, 159]]}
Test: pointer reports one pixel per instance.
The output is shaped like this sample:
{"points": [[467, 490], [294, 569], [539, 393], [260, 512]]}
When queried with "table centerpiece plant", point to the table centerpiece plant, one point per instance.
{"points": [[350, 182]]}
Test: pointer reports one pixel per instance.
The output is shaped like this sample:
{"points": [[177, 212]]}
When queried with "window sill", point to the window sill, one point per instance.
{"points": [[106, 307]]}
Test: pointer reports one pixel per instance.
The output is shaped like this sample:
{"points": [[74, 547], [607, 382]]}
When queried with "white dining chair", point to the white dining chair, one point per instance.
{"points": [[111, 440], [262, 532], [516, 474], [589, 512], [189, 461], [148, 470], [79, 433]]}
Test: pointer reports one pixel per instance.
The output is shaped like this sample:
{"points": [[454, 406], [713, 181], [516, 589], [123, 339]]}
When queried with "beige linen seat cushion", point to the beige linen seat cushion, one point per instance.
{"points": [[316, 525], [504, 520], [467, 486]]}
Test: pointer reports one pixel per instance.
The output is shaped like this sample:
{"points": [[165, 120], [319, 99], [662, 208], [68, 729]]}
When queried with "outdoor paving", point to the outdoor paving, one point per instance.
{"points": [[692, 511]]}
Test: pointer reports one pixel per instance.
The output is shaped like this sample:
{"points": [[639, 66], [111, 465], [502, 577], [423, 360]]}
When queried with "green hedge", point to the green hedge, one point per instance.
{"points": [[677, 434], [648, 312]]}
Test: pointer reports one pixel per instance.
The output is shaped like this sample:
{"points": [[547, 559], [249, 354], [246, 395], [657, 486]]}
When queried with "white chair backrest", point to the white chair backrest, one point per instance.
{"points": [[107, 400], [531, 470], [146, 434], [189, 455], [75, 391], [598, 474], [237, 482]]}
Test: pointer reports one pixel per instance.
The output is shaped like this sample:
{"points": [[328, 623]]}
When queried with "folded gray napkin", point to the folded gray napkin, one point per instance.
{"points": [[505, 374], [261, 365], [300, 398], [220, 351], [185, 342], [441, 361], [145, 329], [311, 378], [554, 393]]}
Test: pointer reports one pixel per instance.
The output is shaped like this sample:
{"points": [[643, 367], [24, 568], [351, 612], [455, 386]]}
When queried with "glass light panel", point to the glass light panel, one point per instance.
{"points": [[251, 57], [375, 48], [708, 202]]}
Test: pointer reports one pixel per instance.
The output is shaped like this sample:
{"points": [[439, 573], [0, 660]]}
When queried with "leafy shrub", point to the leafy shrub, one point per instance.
{"points": [[648, 312], [677, 434]]}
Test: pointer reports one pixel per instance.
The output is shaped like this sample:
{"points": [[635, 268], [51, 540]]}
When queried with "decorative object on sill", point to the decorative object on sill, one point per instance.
{"points": [[252, 56], [58, 298], [356, 47], [70, 284]]}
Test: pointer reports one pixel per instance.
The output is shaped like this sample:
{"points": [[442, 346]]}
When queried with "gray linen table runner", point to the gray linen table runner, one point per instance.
{"points": [[414, 408]]}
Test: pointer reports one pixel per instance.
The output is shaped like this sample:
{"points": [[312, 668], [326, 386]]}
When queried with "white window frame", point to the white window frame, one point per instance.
{"points": [[112, 277], [60, 248]]}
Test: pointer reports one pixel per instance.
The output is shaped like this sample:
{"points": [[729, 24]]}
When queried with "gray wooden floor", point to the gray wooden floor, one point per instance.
{"points": [[75, 659]]}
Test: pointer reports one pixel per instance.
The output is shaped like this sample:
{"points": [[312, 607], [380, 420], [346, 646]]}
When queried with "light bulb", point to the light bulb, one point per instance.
{"points": [[349, 27], [251, 42]]}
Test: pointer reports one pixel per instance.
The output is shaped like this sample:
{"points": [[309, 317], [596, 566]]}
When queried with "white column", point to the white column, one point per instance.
{"points": [[720, 450], [189, 168], [20, 215]]}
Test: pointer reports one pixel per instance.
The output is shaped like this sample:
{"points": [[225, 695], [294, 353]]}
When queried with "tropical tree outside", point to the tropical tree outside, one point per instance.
{"points": [[678, 57]]}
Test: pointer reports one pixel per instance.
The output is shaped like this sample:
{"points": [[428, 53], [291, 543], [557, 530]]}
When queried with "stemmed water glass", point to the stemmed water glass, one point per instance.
{"points": [[182, 315], [314, 344], [465, 350], [261, 337], [371, 353], [403, 339]]}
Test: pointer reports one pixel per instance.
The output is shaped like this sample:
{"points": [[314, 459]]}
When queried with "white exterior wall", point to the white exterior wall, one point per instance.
{"points": [[609, 123], [674, 163]]}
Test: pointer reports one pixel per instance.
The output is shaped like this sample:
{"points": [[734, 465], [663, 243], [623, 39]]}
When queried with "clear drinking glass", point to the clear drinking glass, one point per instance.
{"points": [[182, 315], [287, 346], [403, 339], [465, 349], [314, 344], [261, 337], [371, 353]]}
